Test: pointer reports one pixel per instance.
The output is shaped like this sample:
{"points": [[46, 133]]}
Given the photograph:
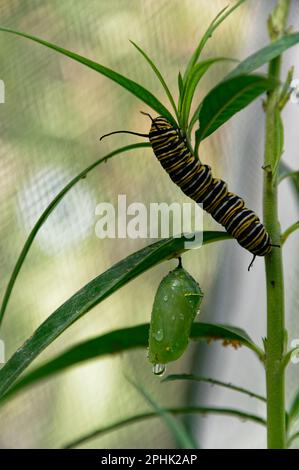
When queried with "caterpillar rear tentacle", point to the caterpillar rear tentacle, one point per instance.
{"points": [[251, 262], [197, 182]]}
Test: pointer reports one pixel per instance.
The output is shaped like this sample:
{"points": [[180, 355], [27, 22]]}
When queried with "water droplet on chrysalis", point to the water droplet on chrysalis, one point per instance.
{"points": [[175, 284], [159, 335], [159, 369]]}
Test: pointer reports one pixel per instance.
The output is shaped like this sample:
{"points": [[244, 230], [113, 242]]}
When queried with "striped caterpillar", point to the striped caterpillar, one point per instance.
{"points": [[197, 182]]}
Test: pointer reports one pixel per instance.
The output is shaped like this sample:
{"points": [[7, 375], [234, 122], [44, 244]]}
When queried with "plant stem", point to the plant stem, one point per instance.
{"points": [[276, 429]]}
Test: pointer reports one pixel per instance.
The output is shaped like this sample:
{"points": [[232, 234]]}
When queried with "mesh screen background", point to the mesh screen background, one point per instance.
{"points": [[54, 112]]}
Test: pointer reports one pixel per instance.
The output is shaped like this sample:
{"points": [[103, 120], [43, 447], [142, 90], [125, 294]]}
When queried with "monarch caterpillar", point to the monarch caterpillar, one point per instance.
{"points": [[196, 181], [176, 304]]}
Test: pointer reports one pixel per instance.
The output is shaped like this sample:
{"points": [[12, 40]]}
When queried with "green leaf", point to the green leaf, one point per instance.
{"points": [[180, 83], [209, 380], [137, 90], [181, 89], [286, 90], [220, 17], [294, 352], [44, 216], [182, 438], [227, 333], [95, 348], [173, 317], [89, 296], [194, 76], [294, 409], [228, 98], [284, 171], [159, 75], [175, 411], [193, 121], [264, 55], [124, 340]]}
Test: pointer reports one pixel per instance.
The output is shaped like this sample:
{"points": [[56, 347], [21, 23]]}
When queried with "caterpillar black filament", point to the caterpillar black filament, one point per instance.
{"points": [[197, 182]]}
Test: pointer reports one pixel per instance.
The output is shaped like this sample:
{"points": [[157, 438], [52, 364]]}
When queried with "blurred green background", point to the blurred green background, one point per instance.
{"points": [[54, 113]]}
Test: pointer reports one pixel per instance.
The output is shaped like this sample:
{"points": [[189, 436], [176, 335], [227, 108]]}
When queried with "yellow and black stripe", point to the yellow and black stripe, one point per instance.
{"points": [[197, 182]]}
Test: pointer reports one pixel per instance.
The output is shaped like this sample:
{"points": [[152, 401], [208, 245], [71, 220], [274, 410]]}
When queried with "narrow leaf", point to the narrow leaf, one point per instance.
{"points": [[277, 129], [228, 334], [159, 75], [228, 98], [264, 55], [209, 380], [175, 411], [123, 340], [289, 231], [44, 216], [294, 409], [194, 119], [195, 75], [180, 83], [216, 22], [89, 296], [180, 435], [293, 353], [114, 342], [181, 89], [293, 438], [284, 171], [137, 90]]}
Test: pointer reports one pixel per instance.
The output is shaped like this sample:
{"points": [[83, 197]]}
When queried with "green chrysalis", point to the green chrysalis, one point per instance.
{"points": [[176, 304]]}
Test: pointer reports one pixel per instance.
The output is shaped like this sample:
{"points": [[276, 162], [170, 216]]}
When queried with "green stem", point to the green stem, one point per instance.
{"points": [[275, 324], [275, 379]]}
